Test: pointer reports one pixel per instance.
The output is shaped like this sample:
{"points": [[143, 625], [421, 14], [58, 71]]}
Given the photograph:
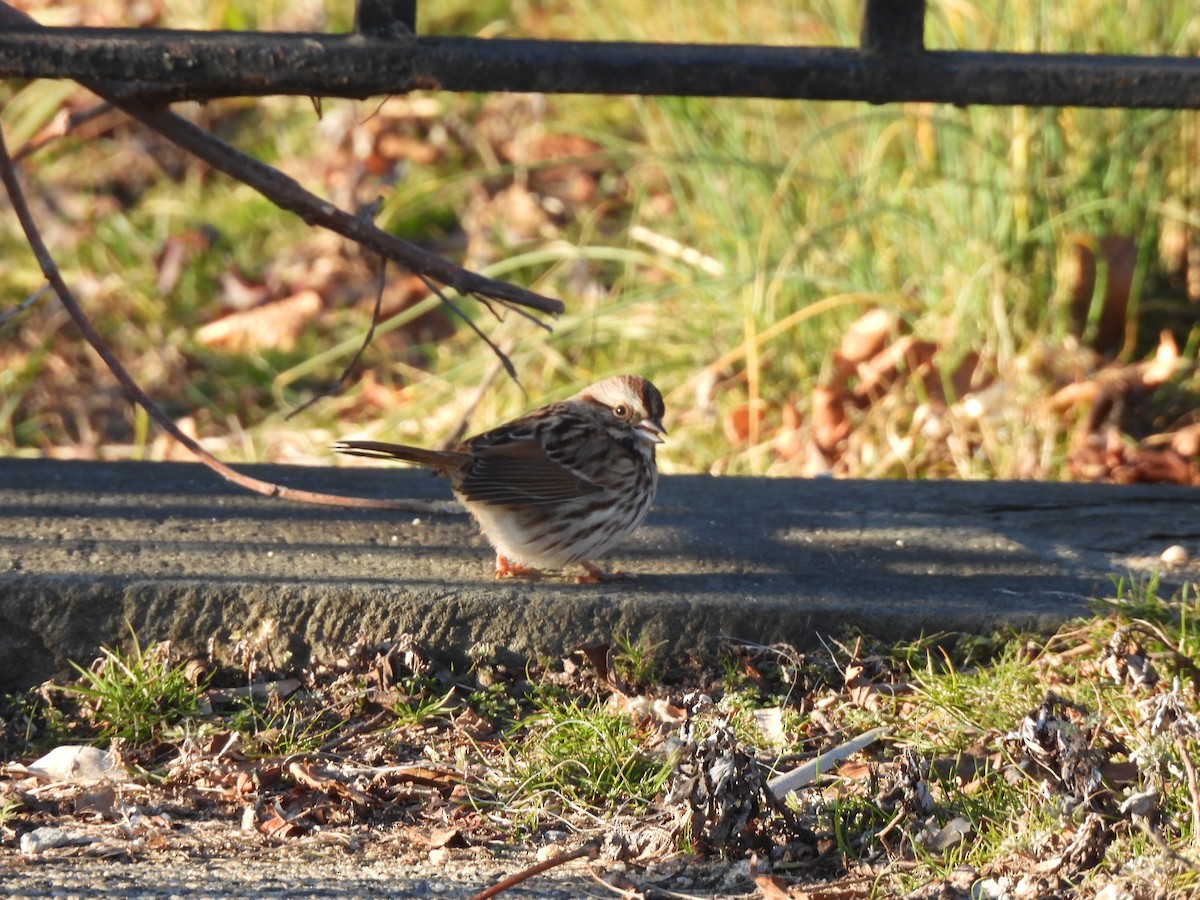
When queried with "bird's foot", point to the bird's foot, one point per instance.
{"points": [[506, 569], [594, 574]]}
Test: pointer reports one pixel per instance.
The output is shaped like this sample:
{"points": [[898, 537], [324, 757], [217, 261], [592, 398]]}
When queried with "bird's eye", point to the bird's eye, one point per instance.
{"points": [[621, 412]]}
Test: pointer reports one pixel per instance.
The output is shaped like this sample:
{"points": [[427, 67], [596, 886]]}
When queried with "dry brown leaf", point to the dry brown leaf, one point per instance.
{"points": [[426, 776], [1186, 441], [473, 725], [772, 887], [1118, 254], [237, 292], [1081, 393], [557, 146], [598, 656], [743, 422], [788, 441], [327, 784], [97, 801], [282, 688], [275, 825], [907, 356], [868, 335], [829, 423], [243, 784], [273, 326], [390, 147], [434, 839], [1173, 241], [969, 766], [854, 770], [970, 376], [862, 692], [750, 671], [1155, 467]]}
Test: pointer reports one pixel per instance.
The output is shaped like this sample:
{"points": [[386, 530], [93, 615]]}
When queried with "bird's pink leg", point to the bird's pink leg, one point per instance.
{"points": [[505, 569]]}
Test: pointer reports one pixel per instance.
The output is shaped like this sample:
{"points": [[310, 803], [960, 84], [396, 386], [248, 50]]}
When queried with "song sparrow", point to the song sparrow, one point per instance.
{"points": [[560, 485]]}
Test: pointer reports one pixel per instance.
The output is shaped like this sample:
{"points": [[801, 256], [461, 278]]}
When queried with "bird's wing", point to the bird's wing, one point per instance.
{"points": [[520, 472]]}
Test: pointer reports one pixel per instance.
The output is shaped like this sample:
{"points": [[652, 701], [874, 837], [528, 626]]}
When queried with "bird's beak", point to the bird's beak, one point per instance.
{"points": [[650, 430]]}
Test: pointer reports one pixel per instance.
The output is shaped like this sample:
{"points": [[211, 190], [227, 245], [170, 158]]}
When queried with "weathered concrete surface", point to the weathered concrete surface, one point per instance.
{"points": [[181, 554]]}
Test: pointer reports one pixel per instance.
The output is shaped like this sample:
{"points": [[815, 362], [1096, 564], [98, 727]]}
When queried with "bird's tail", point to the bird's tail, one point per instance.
{"points": [[434, 459]]}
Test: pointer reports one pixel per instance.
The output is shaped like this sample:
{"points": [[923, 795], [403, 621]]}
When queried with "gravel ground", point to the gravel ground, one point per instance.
{"points": [[315, 870], [302, 872]]}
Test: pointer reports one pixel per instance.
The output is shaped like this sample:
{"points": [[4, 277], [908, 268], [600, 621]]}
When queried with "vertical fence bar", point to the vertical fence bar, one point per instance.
{"points": [[893, 26], [384, 18]]}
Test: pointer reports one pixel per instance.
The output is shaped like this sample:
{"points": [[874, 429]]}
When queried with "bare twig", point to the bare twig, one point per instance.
{"points": [[350, 733], [591, 850], [367, 338], [287, 193], [24, 304], [8, 174], [624, 893], [1193, 784], [454, 308], [63, 124]]}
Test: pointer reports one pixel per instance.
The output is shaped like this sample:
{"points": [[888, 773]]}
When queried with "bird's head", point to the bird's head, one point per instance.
{"points": [[632, 400]]}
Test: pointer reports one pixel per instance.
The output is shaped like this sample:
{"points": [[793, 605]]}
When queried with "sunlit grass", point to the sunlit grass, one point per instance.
{"points": [[135, 694]]}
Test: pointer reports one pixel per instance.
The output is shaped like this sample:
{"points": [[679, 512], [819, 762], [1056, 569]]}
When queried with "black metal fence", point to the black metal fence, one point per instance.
{"points": [[384, 55]]}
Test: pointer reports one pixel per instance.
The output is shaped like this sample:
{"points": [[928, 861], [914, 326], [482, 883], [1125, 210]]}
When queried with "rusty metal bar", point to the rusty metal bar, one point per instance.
{"points": [[893, 26], [173, 65]]}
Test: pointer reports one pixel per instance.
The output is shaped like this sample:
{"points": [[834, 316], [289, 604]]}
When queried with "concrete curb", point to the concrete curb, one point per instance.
{"points": [[181, 554]]}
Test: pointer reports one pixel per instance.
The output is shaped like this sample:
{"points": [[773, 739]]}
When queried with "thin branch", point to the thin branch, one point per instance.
{"points": [[518, 310], [591, 850], [289, 194], [454, 308], [8, 174], [367, 338], [1193, 785], [63, 124], [24, 304]]}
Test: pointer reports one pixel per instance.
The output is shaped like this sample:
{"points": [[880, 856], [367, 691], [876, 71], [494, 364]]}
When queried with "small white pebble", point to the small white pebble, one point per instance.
{"points": [[439, 856], [548, 851], [1174, 555], [395, 539], [900, 542], [270, 553], [417, 520]]}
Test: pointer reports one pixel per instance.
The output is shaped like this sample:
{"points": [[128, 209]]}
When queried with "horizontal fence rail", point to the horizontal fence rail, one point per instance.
{"points": [[385, 56], [176, 65]]}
